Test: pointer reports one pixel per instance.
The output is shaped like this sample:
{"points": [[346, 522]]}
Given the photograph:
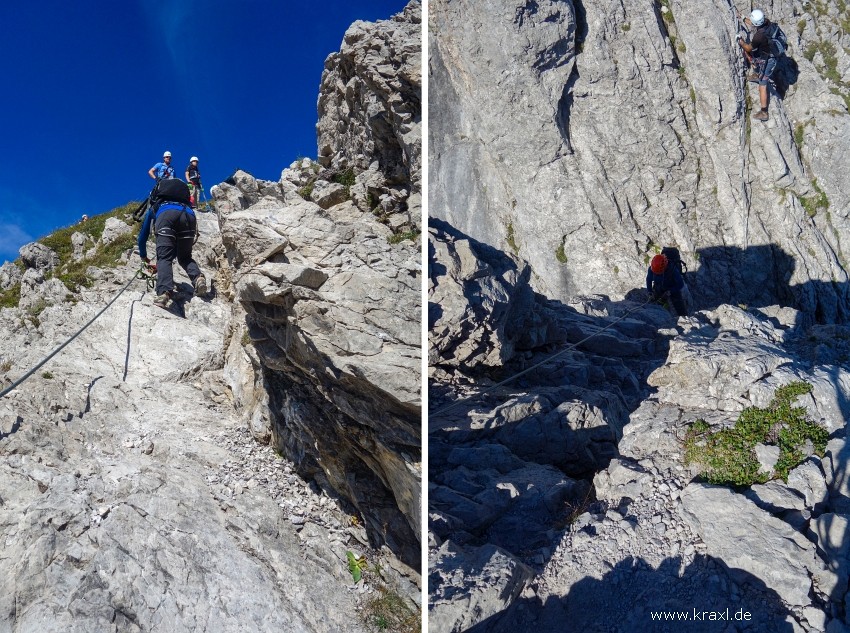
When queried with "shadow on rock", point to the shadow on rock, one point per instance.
{"points": [[635, 597], [511, 459], [760, 277]]}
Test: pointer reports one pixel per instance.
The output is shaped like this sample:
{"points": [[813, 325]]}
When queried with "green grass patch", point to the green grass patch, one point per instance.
{"points": [[345, 179], [799, 131], [400, 237], [801, 26], [10, 297], [47, 375], [388, 611], [626, 27], [728, 456], [815, 203]]}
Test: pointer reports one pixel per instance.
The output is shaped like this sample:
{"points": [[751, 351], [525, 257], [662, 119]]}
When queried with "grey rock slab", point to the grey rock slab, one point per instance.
{"points": [[470, 585], [745, 537], [38, 256], [831, 531], [10, 275], [327, 194], [808, 480], [113, 229], [369, 106], [775, 496]]}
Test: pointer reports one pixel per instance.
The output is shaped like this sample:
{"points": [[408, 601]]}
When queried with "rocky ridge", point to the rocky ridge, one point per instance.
{"points": [[209, 467], [565, 496], [370, 116]]}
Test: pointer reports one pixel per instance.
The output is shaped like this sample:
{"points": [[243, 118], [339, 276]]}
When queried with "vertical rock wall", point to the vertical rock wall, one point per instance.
{"points": [[585, 136]]}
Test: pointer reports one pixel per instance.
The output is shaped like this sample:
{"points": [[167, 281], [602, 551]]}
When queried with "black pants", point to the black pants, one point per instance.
{"points": [[175, 233], [676, 299]]}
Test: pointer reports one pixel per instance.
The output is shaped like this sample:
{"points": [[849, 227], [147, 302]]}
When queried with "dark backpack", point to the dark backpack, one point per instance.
{"points": [[171, 190], [777, 40], [673, 257]]}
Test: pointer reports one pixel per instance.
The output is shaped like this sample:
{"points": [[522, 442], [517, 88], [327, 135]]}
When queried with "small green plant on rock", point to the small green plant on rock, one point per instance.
{"points": [[815, 203], [728, 455], [385, 609], [404, 235], [511, 239], [560, 255], [306, 190]]}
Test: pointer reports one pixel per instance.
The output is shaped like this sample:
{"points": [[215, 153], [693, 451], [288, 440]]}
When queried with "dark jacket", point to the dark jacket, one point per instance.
{"points": [[761, 41], [670, 281]]}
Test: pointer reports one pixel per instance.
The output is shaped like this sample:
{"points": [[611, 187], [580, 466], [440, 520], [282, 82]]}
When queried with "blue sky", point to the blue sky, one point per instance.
{"points": [[94, 93]]}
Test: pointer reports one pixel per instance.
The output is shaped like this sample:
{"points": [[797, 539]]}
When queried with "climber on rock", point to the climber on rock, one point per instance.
{"points": [[175, 226], [763, 49], [163, 170], [664, 280], [193, 177]]}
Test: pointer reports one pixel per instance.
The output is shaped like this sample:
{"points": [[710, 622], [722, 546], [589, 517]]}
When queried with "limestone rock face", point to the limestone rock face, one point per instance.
{"points": [[479, 311], [738, 533], [333, 313], [576, 467], [583, 137], [113, 229], [10, 275], [38, 256], [210, 466], [370, 111], [133, 496]]}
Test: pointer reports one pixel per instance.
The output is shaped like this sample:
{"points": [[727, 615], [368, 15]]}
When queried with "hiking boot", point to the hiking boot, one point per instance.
{"points": [[761, 115], [162, 300], [754, 77], [200, 286]]}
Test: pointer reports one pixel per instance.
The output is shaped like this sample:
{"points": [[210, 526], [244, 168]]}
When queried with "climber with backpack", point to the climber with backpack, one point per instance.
{"points": [[766, 46], [175, 226], [665, 278]]}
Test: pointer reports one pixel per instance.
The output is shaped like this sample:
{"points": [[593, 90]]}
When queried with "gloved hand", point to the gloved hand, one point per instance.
{"points": [[151, 267]]}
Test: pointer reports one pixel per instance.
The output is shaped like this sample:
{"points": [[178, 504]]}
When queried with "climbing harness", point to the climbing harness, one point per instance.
{"points": [[76, 334], [570, 347]]}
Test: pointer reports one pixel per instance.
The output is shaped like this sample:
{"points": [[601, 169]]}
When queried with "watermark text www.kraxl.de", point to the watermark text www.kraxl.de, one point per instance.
{"points": [[698, 615]]}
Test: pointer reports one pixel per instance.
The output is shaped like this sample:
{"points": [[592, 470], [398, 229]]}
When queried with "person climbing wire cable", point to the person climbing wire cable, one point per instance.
{"points": [[665, 280], [163, 170], [766, 45], [175, 227]]}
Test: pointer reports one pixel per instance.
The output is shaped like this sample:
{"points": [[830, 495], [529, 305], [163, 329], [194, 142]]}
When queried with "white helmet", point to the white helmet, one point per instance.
{"points": [[167, 154], [193, 159], [757, 17]]}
